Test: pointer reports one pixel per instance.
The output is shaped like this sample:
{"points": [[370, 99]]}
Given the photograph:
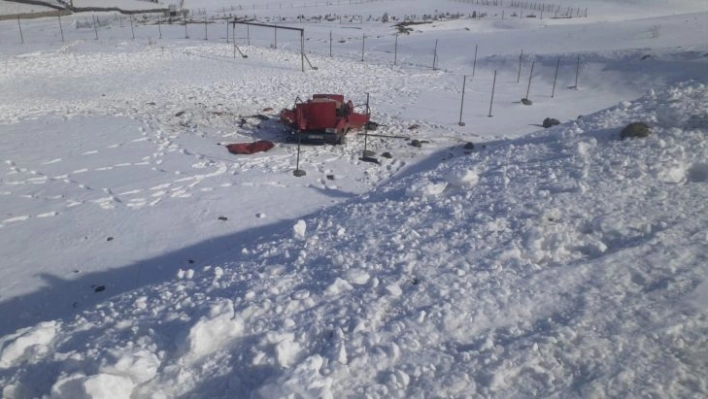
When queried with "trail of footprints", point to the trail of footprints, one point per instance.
{"points": [[132, 198], [182, 186]]}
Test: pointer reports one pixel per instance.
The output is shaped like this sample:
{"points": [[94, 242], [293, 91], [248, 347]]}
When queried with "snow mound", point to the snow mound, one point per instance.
{"points": [[99, 386], [140, 365], [299, 229], [27, 343], [212, 332], [426, 189], [684, 108], [462, 177], [568, 263]]}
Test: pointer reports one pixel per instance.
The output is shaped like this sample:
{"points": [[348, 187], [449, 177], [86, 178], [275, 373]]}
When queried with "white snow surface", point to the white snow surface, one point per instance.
{"points": [[9, 7], [572, 269], [142, 260]]}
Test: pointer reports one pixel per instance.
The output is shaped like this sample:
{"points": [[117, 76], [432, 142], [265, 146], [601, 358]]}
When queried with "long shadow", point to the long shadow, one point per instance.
{"points": [[63, 299], [249, 377]]}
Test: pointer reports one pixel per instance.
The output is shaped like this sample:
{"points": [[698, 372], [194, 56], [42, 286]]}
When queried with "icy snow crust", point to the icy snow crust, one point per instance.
{"points": [[568, 263]]}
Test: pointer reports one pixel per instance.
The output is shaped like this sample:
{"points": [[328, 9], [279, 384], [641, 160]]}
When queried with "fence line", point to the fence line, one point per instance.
{"points": [[161, 26], [89, 28]]}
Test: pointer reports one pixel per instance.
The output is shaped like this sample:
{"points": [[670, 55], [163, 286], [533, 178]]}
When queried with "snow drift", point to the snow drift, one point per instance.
{"points": [[568, 263]]}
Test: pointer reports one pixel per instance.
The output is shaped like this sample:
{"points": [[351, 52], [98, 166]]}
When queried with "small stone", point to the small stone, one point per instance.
{"points": [[223, 218], [635, 129], [100, 288], [109, 239], [387, 155], [548, 122]]}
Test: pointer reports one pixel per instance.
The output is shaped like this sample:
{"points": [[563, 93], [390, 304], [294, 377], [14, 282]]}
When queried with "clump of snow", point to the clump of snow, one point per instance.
{"points": [[139, 365], [299, 229], [358, 276], [683, 108], [99, 386], [212, 332], [305, 381], [424, 188], [286, 350], [339, 286], [27, 343], [462, 177]]}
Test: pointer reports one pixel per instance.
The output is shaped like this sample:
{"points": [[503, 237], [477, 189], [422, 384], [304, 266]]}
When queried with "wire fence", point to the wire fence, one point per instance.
{"points": [[323, 38]]}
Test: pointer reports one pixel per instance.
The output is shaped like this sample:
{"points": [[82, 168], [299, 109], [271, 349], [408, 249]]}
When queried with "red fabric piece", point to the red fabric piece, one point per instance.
{"points": [[250, 148]]}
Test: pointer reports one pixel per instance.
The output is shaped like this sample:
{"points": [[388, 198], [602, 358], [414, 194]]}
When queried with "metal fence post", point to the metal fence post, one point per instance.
{"points": [[363, 43], [528, 89], [19, 25], [521, 57], [474, 64], [61, 30], [131, 26], [395, 51], [555, 79], [462, 102], [491, 102]]}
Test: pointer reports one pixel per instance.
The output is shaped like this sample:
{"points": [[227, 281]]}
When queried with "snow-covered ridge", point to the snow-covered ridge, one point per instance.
{"points": [[568, 263]]}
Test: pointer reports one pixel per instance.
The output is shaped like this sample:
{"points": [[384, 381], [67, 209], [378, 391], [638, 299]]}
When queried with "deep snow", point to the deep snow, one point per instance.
{"points": [[143, 260], [567, 263]]}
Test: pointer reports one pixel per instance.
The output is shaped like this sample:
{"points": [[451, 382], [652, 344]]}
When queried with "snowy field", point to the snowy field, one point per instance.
{"points": [[142, 260], [8, 7]]}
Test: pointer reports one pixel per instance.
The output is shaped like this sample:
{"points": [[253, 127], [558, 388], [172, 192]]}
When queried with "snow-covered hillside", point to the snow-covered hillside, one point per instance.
{"points": [[568, 263], [142, 260]]}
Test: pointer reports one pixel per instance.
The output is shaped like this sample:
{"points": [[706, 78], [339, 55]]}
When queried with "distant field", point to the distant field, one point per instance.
{"points": [[7, 7]]}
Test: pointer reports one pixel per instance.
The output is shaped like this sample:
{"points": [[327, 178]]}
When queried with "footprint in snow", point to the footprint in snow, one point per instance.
{"points": [[48, 214], [15, 219]]}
